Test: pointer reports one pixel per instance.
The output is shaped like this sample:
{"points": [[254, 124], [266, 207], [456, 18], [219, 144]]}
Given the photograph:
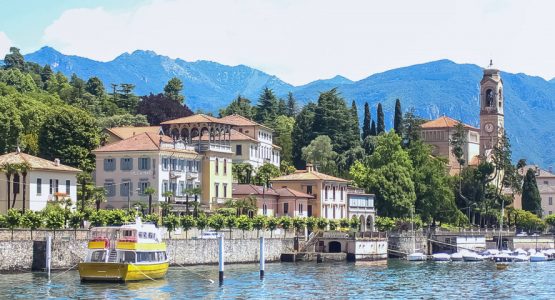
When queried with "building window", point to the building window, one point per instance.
{"points": [[217, 166], [225, 166], [182, 164], [110, 188], [126, 164], [285, 208], [309, 189], [143, 185], [174, 164], [39, 186], [550, 200], [109, 164], [341, 191], [126, 188], [333, 193], [225, 190], [300, 208], [56, 185], [68, 184], [165, 163], [265, 209], [144, 163], [164, 186], [217, 189], [326, 211], [239, 150], [326, 193], [546, 182], [51, 187]]}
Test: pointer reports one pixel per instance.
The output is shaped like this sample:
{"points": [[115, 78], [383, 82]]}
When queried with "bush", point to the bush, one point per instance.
{"points": [[344, 223], [98, 218], [322, 223], [216, 222], [259, 223], [285, 222], [550, 220], [310, 223], [202, 222], [171, 222], [152, 218], [244, 223], [116, 217], [272, 225], [385, 223], [226, 211], [334, 224]]}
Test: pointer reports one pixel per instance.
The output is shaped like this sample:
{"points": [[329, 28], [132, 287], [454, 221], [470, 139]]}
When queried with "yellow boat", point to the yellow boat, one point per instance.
{"points": [[130, 252]]}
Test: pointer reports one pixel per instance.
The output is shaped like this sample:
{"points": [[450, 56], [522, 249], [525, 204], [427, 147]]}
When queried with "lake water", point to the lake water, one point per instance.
{"points": [[393, 279]]}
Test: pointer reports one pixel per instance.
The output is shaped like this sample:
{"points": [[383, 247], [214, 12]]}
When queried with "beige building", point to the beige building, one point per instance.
{"points": [[126, 168], [546, 185], [492, 119], [117, 134], [253, 142], [330, 193], [44, 181], [439, 132]]}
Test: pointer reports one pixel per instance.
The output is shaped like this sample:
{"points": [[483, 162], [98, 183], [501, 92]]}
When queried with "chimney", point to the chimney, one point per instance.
{"points": [[57, 162], [309, 167]]}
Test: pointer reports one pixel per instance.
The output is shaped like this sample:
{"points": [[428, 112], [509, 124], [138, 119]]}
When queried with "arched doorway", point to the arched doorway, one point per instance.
{"points": [[334, 247], [362, 223], [369, 223]]}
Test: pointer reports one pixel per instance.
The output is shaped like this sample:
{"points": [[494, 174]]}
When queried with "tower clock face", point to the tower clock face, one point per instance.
{"points": [[489, 127]]}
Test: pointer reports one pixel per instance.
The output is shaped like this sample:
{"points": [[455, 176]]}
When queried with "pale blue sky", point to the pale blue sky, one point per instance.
{"points": [[297, 40]]}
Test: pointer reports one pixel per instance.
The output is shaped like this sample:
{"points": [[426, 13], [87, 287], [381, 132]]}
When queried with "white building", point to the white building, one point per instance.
{"points": [[361, 206], [252, 142], [45, 181], [127, 167]]}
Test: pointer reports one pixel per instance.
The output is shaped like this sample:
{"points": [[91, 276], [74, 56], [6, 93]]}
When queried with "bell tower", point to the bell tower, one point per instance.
{"points": [[492, 120]]}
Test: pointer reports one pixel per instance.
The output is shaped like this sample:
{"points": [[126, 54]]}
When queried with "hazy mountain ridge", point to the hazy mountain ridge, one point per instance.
{"points": [[433, 89]]}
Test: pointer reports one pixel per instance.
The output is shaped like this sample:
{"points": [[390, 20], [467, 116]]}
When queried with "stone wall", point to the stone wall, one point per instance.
{"points": [[28, 255], [403, 242]]}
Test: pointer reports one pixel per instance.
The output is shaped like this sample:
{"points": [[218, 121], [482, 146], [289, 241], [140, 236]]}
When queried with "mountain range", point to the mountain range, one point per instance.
{"points": [[433, 89]]}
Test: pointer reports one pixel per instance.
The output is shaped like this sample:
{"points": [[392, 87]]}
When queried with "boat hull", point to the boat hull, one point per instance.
{"points": [[416, 257], [121, 271]]}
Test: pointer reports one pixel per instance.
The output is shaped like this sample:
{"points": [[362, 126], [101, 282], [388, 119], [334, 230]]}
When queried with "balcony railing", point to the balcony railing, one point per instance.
{"points": [[220, 200], [220, 147]]}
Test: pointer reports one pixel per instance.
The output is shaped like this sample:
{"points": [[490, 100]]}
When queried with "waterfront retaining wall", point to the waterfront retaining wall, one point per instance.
{"points": [[403, 241]]}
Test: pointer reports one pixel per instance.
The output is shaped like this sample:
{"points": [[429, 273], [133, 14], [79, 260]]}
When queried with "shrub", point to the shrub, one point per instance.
{"points": [[244, 223], [322, 223], [285, 222], [384, 223], [187, 222], [272, 225], [216, 222], [259, 223], [171, 222]]}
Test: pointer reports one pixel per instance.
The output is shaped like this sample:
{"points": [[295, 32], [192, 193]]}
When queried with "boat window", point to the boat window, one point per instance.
{"points": [[128, 256], [127, 233], [98, 256], [146, 256], [161, 256]]}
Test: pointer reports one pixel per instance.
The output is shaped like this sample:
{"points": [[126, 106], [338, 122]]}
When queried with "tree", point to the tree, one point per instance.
{"points": [[216, 222], [322, 223], [22, 82], [75, 220], [387, 173], [285, 223], [24, 168], [345, 160], [231, 222], [149, 191], [550, 220], [171, 222], [173, 89], [355, 125], [98, 218], [292, 106], [242, 172], [244, 223], [384, 223], [240, 106], [320, 153], [266, 172], [267, 108], [13, 219], [11, 125], [202, 222], [302, 133], [381, 120], [398, 118], [458, 141], [187, 222], [298, 224], [259, 223], [70, 134], [126, 99], [9, 170], [272, 223], [99, 195], [411, 127], [354, 223], [124, 120], [344, 223], [531, 199], [32, 220], [283, 128], [159, 108], [373, 130], [14, 59], [366, 122], [54, 219], [95, 87], [334, 224]]}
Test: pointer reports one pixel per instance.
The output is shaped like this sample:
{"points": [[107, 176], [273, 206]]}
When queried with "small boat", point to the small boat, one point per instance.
{"points": [[457, 256], [417, 256], [441, 257], [522, 258], [538, 257], [133, 251], [471, 257]]}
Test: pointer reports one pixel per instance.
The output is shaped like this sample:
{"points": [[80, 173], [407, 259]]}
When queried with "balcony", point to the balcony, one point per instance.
{"points": [[218, 147], [220, 200]]}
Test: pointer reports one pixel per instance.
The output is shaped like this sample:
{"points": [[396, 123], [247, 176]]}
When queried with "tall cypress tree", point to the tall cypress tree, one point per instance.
{"points": [[531, 199], [267, 108], [373, 131], [356, 125], [398, 119], [302, 133], [292, 106], [366, 122], [381, 121]]}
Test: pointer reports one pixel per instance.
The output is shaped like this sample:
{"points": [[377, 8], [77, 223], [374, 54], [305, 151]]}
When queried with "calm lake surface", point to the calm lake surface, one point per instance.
{"points": [[393, 279]]}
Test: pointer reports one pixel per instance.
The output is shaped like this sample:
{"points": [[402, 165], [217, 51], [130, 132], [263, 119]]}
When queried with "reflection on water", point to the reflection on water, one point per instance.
{"points": [[392, 279]]}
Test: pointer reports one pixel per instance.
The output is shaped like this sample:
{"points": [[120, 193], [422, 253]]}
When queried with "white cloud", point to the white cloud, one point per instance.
{"points": [[300, 41], [5, 44]]}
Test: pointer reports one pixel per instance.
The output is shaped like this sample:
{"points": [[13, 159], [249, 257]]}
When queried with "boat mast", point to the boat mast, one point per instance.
{"points": [[501, 224], [412, 229]]}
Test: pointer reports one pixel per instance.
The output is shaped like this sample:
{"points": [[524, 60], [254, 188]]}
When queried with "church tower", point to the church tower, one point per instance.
{"points": [[492, 120]]}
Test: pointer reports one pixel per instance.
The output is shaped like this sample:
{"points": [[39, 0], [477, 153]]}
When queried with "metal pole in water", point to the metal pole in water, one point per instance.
{"points": [[221, 260], [262, 261], [48, 254]]}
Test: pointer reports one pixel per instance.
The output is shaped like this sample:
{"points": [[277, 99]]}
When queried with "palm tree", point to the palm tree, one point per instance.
{"points": [[99, 195], [149, 191], [24, 168], [9, 170]]}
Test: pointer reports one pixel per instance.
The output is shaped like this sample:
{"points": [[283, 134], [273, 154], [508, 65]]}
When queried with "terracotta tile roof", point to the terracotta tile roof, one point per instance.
{"points": [[36, 163], [198, 118], [308, 175], [239, 120], [445, 122], [142, 142], [251, 189], [127, 132], [287, 192]]}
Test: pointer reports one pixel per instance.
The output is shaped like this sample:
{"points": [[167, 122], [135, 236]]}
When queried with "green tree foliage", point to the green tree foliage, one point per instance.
{"points": [[187, 222], [355, 125], [528, 221], [344, 223], [173, 89], [231, 222], [411, 127], [11, 126], [381, 120], [320, 153], [266, 172], [259, 223], [310, 223], [322, 223], [171, 222], [267, 108], [70, 134], [22, 82], [216, 222], [334, 224], [242, 172], [388, 174], [159, 108], [283, 128], [13, 219], [302, 133], [366, 122], [531, 199], [398, 118], [292, 106], [272, 224], [550, 220], [458, 140], [95, 87], [98, 218], [54, 219], [385, 223], [373, 130], [32, 220], [334, 119], [244, 223], [354, 223], [125, 120], [345, 160], [240, 106], [14, 59], [298, 224], [285, 222], [116, 217], [202, 222]]}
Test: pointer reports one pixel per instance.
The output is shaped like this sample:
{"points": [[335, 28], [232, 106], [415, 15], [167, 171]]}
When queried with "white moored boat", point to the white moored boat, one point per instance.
{"points": [[471, 256], [417, 256], [538, 257], [441, 257], [457, 256]]}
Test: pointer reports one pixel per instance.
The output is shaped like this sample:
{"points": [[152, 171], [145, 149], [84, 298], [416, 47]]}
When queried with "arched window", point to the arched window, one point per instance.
{"points": [[490, 101], [217, 167], [265, 209], [225, 166]]}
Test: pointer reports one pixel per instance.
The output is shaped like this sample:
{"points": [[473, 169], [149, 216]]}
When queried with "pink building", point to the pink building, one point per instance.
{"points": [[275, 202]]}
